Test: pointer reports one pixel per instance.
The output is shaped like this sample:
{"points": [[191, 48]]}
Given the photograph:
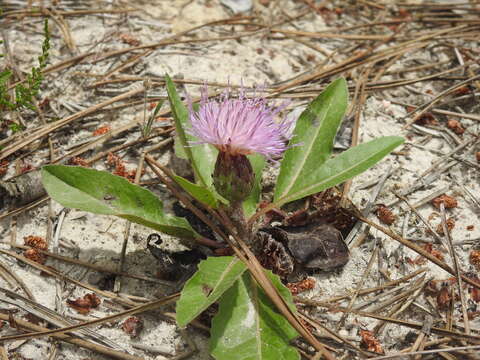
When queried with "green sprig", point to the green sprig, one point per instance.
{"points": [[25, 94]]}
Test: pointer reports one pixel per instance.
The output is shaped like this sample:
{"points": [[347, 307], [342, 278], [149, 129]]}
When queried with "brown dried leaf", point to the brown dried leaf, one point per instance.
{"points": [[3, 167], [328, 209], [101, 130], [475, 258], [464, 90], [472, 314], [434, 286], [444, 298], [420, 260], [129, 39], [35, 255], [455, 126], [450, 225], [370, 342], [36, 242], [448, 201], [33, 319], [26, 168], [44, 104], [85, 304], [133, 326], [112, 159], [77, 160], [404, 13], [385, 215], [120, 168], [427, 119], [475, 293], [301, 286]]}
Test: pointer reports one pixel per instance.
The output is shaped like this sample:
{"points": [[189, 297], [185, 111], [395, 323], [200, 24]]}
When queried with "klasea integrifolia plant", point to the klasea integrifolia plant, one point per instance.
{"points": [[226, 141]]}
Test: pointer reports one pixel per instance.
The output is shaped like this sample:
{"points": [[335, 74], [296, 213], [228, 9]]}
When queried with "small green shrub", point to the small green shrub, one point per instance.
{"points": [[25, 93]]}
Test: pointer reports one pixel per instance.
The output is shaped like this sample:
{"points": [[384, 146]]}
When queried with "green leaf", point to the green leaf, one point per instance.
{"points": [[202, 157], [103, 193], [178, 149], [148, 126], [313, 138], [4, 76], [250, 203], [215, 275], [248, 326], [200, 193], [346, 165]]}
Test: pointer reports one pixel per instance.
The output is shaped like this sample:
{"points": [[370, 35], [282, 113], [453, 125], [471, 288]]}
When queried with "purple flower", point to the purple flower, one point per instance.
{"points": [[240, 126]]}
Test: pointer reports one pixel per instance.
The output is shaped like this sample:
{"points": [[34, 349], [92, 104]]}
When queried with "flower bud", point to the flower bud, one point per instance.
{"points": [[233, 176]]}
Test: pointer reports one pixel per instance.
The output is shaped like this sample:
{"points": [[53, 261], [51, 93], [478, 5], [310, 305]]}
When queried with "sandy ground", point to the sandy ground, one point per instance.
{"points": [[256, 58]]}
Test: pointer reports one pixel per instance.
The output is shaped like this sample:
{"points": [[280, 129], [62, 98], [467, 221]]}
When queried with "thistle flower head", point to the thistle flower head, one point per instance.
{"points": [[240, 126]]}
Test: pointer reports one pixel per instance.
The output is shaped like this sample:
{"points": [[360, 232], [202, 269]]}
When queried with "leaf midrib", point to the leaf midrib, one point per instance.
{"points": [[287, 198], [257, 318], [310, 146]]}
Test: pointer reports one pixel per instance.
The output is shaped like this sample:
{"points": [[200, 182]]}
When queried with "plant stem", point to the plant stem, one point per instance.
{"points": [[237, 216]]}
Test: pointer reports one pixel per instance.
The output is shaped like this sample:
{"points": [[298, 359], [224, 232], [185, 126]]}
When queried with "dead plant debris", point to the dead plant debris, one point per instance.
{"points": [[133, 326], [448, 201], [385, 215], [36, 242], [86, 304], [410, 74], [370, 342], [301, 286]]}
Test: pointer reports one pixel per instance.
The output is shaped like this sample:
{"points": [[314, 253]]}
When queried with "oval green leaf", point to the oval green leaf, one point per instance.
{"points": [[249, 327], [103, 193], [214, 276], [313, 137], [346, 165]]}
